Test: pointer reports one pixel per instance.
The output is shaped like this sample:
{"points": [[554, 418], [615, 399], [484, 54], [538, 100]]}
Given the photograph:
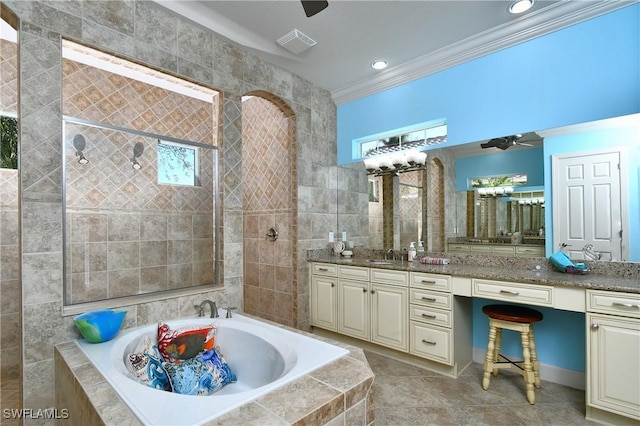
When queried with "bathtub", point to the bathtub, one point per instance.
{"points": [[263, 357]]}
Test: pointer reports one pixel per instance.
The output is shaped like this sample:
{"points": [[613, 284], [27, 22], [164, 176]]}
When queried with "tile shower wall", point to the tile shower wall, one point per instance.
{"points": [[268, 154], [148, 33], [10, 288], [410, 208], [434, 212], [126, 233]]}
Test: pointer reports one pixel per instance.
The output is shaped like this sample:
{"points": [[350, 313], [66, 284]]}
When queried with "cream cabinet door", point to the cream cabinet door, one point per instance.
{"points": [[353, 308], [389, 316], [613, 377], [324, 300]]}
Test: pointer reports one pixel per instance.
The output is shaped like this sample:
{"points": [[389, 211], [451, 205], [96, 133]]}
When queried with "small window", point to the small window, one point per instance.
{"points": [[8, 142], [177, 164]]}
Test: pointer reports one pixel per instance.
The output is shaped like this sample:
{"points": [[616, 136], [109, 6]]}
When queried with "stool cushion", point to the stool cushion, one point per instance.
{"points": [[513, 313]]}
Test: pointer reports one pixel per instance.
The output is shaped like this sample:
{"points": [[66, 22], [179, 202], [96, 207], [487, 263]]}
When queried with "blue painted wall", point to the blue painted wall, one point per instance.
{"points": [[628, 139], [529, 162], [560, 336], [582, 73]]}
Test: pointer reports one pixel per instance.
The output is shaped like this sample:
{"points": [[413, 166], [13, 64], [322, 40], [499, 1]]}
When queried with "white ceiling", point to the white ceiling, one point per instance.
{"points": [[416, 37]]}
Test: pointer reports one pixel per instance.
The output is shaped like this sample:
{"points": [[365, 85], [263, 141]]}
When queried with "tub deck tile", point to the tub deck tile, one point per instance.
{"points": [[349, 376], [251, 414], [304, 401]]}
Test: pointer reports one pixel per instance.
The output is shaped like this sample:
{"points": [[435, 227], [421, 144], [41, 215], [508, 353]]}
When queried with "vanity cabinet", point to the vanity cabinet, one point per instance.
{"points": [[324, 297], [613, 369], [373, 305], [440, 326]]}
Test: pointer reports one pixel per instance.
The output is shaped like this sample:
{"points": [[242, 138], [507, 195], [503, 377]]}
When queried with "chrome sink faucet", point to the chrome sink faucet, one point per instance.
{"points": [[389, 252], [212, 305]]}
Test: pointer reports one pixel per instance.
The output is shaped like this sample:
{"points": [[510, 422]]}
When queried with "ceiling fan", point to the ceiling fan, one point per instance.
{"points": [[311, 7], [505, 142]]}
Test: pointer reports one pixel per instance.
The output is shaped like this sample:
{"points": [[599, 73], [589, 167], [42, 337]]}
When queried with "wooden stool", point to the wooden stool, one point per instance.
{"points": [[516, 318]]}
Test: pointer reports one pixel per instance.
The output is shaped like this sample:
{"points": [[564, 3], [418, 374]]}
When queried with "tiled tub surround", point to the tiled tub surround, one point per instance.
{"points": [[148, 33], [337, 392]]}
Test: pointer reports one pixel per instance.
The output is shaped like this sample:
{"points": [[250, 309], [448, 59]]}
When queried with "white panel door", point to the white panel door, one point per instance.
{"points": [[587, 204]]}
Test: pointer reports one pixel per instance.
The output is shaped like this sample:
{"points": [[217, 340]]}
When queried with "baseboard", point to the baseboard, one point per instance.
{"points": [[550, 373]]}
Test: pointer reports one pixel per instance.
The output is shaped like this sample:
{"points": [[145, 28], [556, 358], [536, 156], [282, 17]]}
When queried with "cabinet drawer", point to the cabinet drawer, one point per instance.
{"points": [[504, 250], [459, 247], [430, 298], [386, 276], [325, 269], [432, 342], [610, 302], [353, 272], [481, 249], [513, 292], [530, 251], [430, 315], [431, 281]]}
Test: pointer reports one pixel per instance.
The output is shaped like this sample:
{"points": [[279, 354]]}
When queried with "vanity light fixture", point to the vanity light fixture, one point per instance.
{"points": [[396, 163], [520, 6], [79, 143], [495, 191], [379, 64]]}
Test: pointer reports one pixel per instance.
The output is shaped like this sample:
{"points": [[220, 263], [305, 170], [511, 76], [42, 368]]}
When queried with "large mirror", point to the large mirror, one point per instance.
{"points": [[455, 216]]}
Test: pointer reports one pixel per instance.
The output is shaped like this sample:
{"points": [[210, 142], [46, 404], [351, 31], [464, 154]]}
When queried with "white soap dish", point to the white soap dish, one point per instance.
{"points": [[347, 253]]}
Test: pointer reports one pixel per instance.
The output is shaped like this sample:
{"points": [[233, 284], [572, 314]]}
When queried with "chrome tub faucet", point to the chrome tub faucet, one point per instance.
{"points": [[212, 305]]}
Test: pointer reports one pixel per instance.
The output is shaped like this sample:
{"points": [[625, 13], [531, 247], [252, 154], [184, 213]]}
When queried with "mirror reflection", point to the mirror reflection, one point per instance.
{"points": [[525, 221]]}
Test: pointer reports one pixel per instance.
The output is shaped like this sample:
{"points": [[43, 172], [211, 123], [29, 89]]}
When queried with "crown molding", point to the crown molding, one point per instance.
{"points": [[544, 21]]}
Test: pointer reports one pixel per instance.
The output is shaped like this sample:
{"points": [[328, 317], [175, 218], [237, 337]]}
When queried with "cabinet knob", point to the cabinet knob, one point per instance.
{"points": [[373, 291], [364, 290], [595, 326], [333, 285]]}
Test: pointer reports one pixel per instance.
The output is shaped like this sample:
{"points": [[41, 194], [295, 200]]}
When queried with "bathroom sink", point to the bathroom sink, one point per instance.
{"points": [[380, 262]]}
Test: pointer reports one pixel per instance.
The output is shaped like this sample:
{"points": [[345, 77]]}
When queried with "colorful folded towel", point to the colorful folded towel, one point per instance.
{"points": [[434, 260]]}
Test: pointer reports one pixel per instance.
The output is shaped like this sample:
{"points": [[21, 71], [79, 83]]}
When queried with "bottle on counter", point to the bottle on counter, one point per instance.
{"points": [[412, 252], [420, 251]]}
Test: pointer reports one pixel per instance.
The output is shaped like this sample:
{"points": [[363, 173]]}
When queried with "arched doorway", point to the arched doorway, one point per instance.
{"points": [[269, 191]]}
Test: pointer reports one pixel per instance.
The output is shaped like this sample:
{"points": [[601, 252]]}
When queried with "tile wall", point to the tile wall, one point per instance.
{"points": [[10, 297], [435, 207], [268, 151], [148, 33]]}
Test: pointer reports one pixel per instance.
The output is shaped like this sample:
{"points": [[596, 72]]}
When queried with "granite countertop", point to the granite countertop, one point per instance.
{"points": [[626, 277]]}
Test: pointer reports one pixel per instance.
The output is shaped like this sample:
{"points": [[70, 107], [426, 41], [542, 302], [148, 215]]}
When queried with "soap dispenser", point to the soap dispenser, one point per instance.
{"points": [[412, 252], [420, 250]]}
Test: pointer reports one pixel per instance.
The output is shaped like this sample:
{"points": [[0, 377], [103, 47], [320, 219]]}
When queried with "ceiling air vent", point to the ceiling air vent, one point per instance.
{"points": [[296, 42]]}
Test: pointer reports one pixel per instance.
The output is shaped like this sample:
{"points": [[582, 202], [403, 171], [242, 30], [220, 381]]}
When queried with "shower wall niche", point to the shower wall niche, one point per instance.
{"points": [[141, 180]]}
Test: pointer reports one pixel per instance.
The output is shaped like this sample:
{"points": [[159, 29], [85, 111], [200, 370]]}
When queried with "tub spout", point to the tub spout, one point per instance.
{"points": [[212, 305]]}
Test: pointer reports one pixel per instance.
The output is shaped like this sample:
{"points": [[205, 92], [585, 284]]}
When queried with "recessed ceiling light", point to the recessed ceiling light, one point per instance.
{"points": [[520, 6], [379, 64]]}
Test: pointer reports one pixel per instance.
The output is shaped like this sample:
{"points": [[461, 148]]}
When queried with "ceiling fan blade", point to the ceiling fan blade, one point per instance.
{"points": [[311, 7]]}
